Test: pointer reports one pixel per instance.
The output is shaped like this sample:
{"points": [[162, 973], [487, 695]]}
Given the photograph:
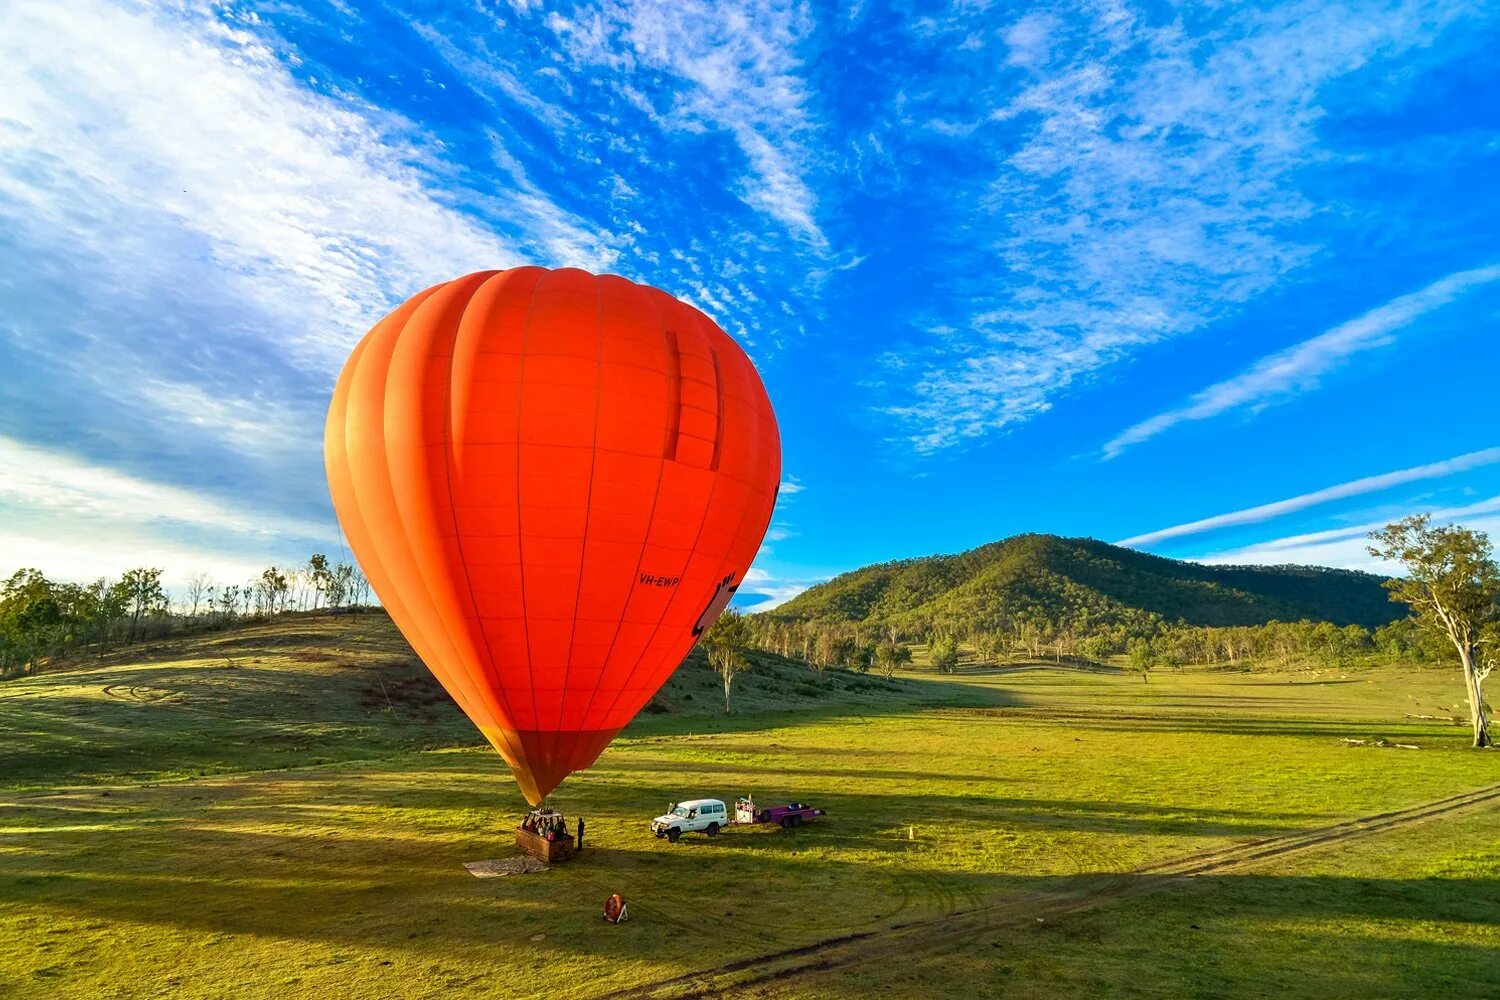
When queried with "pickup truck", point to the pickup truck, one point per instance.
{"points": [[746, 812]]}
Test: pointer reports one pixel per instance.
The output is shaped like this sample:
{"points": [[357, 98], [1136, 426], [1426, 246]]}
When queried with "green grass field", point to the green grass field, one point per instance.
{"points": [[284, 810]]}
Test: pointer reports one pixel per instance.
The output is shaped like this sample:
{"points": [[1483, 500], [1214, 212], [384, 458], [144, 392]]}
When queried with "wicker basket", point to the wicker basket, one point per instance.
{"points": [[550, 851]]}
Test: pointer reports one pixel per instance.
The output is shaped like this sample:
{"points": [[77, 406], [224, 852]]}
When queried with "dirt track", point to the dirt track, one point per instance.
{"points": [[952, 930]]}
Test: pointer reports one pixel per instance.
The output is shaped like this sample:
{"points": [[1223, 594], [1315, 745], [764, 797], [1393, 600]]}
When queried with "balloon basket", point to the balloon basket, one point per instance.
{"points": [[552, 849]]}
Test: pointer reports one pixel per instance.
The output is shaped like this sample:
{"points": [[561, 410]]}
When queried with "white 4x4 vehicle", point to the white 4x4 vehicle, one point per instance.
{"points": [[708, 815]]}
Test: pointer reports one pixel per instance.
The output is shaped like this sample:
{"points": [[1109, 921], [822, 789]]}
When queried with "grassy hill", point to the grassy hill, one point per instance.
{"points": [[318, 689], [1088, 585]]}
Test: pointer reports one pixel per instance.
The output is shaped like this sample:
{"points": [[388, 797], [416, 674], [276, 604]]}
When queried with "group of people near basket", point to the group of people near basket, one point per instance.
{"points": [[550, 826]]}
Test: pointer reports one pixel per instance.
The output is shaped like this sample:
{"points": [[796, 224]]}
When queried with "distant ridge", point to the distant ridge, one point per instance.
{"points": [[1087, 585]]}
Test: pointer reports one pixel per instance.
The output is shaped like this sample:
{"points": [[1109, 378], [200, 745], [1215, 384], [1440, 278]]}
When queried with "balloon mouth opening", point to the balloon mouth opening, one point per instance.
{"points": [[541, 759]]}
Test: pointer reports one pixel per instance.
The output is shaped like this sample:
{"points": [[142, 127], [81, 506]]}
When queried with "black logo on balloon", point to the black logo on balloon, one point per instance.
{"points": [[717, 604]]}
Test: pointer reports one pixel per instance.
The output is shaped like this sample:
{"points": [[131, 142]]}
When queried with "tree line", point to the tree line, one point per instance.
{"points": [[42, 618], [858, 646], [732, 633], [853, 646]]}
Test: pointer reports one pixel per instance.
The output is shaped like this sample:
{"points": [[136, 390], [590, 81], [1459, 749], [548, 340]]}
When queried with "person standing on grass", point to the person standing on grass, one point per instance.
{"points": [[580, 833]]}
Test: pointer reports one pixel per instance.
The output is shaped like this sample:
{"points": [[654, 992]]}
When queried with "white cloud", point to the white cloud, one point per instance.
{"points": [[1030, 39], [169, 142], [195, 232], [777, 590], [1146, 184], [790, 486], [1299, 367], [251, 427], [490, 74], [75, 520], [738, 63], [1357, 487], [42, 481], [1345, 548], [563, 236]]}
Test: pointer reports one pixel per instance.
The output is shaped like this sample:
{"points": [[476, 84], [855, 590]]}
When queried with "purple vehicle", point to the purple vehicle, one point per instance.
{"points": [[746, 813]]}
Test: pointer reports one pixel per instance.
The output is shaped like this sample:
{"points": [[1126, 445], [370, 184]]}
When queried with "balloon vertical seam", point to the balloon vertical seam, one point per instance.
{"points": [[521, 534], [458, 540], [671, 602], [669, 343], [443, 640], [583, 548]]}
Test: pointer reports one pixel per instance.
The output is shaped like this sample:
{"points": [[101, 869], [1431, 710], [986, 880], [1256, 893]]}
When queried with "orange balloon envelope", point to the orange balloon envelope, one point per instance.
{"points": [[554, 481]]}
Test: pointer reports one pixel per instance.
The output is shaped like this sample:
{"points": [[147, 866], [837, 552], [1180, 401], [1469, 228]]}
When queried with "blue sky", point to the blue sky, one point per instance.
{"points": [[1219, 280]]}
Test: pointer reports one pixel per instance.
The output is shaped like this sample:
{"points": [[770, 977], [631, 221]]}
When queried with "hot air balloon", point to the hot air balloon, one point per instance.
{"points": [[554, 482]]}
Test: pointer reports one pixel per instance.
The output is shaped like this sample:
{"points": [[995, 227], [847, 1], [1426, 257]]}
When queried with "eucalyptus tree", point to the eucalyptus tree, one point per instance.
{"points": [[140, 592], [725, 642], [199, 586], [1452, 585], [1141, 657], [891, 655], [942, 651], [318, 573]]}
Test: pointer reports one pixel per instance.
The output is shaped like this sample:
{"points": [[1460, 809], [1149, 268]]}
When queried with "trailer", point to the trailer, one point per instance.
{"points": [[747, 813]]}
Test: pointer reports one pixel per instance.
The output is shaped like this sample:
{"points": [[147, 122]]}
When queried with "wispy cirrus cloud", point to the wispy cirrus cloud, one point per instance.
{"points": [[689, 130], [173, 131], [76, 520], [1357, 487], [46, 480], [768, 582], [1346, 547], [194, 237], [772, 589], [738, 71], [1145, 183], [1299, 368]]}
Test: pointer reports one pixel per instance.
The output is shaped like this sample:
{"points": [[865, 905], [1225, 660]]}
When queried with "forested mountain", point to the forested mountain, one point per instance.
{"points": [[1085, 586]]}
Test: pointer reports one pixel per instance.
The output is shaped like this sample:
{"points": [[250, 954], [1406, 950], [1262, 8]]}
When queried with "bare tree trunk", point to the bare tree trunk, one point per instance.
{"points": [[1472, 685]]}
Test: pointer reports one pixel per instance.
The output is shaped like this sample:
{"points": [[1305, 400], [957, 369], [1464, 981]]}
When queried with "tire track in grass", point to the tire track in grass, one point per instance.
{"points": [[1084, 892]]}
